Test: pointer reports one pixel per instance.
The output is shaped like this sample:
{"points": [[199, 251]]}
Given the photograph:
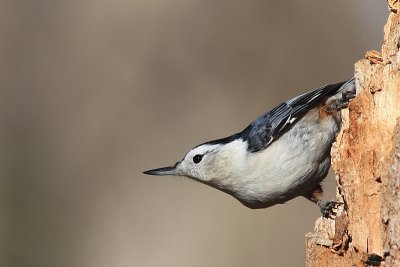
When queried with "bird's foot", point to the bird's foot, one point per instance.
{"points": [[342, 102], [328, 208]]}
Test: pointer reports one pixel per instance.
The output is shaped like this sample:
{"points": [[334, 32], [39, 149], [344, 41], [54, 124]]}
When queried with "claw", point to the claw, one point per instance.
{"points": [[327, 208], [342, 102], [348, 95]]}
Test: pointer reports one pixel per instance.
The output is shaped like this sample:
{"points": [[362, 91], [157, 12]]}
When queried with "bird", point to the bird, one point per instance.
{"points": [[283, 154]]}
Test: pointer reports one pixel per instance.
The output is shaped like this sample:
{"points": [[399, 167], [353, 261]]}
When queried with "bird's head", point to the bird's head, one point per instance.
{"points": [[209, 163]]}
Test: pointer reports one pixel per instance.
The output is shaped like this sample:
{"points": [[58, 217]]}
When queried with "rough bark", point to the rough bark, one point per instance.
{"points": [[366, 159]]}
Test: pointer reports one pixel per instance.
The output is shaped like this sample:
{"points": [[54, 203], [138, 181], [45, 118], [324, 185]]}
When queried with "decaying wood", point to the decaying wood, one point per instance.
{"points": [[366, 159]]}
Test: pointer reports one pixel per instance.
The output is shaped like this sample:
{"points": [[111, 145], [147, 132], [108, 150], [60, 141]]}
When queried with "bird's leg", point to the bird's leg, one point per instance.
{"points": [[342, 102], [326, 207]]}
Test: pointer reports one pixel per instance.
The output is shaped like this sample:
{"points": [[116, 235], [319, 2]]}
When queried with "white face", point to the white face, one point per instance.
{"points": [[210, 164], [200, 163]]}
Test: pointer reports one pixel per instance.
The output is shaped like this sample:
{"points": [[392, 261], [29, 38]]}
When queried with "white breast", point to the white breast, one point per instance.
{"points": [[288, 168]]}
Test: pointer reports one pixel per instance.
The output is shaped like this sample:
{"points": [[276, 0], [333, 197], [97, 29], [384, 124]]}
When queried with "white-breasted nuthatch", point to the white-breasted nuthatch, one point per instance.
{"points": [[283, 154]]}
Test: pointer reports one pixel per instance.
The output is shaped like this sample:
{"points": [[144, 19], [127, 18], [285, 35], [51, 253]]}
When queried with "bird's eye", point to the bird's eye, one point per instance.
{"points": [[197, 158]]}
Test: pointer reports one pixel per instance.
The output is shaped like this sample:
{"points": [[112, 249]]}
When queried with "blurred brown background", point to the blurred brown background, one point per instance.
{"points": [[95, 92]]}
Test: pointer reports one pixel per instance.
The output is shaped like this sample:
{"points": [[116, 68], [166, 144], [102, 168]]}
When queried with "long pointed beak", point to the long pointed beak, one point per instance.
{"points": [[171, 170]]}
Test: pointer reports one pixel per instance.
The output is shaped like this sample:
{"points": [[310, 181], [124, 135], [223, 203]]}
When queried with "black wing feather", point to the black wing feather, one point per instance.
{"points": [[269, 126]]}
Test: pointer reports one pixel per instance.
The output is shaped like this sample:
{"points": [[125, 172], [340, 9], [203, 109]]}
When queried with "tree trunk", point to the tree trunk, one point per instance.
{"points": [[366, 159]]}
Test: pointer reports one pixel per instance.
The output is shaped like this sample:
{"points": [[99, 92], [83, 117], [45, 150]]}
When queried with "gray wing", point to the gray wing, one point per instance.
{"points": [[269, 126]]}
